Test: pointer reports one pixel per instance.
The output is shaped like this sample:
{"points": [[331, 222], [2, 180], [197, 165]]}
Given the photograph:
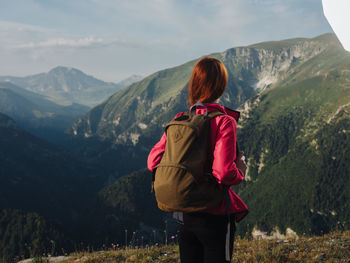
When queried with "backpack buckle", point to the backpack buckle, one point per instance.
{"points": [[194, 107]]}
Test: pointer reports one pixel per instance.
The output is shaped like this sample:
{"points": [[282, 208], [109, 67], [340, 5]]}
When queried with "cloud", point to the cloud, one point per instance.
{"points": [[24, 36], [84, 42], [13, 34], [20, 27]]}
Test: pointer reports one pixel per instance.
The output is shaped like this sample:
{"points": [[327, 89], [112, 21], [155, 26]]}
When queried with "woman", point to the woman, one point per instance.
{"points": [[208, 236]]}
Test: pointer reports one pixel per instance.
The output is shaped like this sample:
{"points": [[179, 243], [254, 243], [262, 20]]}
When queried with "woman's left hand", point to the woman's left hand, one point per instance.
{"points": [[240, 162]]}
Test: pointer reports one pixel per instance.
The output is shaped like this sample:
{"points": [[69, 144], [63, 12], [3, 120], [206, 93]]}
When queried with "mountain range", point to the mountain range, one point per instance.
{"points": [[47, 104], [133, 113], [65, 86], [294, 96]]}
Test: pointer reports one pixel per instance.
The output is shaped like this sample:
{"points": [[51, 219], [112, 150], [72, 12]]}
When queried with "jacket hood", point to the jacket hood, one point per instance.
{"points": [[217, 107]]}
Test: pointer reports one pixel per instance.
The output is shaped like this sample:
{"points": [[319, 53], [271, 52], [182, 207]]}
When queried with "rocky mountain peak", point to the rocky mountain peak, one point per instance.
{"points": [[65, 70]]}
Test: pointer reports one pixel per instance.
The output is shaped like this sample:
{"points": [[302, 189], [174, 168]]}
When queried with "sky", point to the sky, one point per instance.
{"points": [[114, 39]]}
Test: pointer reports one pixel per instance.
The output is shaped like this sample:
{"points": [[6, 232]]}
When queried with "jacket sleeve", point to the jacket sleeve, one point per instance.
{"points": [[224, 166], [156, 153]]}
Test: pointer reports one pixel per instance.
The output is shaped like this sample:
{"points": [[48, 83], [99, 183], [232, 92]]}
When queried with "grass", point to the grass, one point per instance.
{"points": [[146, 255], [334, 247]]}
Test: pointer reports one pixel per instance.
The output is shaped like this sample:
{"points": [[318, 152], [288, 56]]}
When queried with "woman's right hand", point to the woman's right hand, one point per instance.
{"points": [[240, 162]]}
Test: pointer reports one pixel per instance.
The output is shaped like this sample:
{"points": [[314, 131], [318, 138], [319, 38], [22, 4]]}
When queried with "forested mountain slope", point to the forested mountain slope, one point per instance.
{"points": [[24, 235], [38, 176], [297, 139]]}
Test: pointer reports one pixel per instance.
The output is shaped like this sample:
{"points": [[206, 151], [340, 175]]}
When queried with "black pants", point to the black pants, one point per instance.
{"points": [[203, 238]]}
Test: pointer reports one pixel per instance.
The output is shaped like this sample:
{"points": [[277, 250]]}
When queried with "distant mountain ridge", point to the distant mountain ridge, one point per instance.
{"points": [[37, 114], [69, 85]]}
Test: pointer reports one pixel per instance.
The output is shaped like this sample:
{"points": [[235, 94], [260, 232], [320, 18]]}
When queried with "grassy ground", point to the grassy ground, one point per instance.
{"points": [[334, 247]]}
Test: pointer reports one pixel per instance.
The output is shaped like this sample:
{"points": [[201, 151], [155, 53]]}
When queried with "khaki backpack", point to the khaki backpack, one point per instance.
{"points": [[183, 180]]}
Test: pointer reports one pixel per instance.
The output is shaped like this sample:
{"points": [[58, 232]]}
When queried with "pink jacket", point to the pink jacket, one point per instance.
{"points": [[223, 140]]}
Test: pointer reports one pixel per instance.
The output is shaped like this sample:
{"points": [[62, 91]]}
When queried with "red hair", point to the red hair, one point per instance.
{"points": [[208, 81]]}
